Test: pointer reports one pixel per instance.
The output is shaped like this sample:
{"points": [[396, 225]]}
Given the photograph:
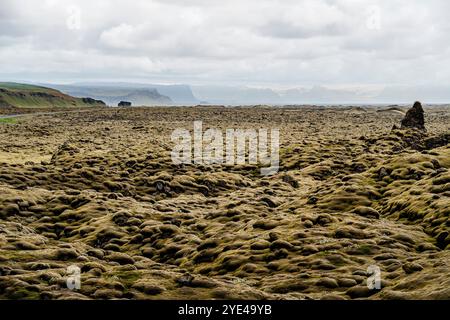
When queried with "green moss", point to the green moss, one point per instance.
{"points": [[17, 255], [128, 278], [25, 294], [365, 249], [8, 120]]}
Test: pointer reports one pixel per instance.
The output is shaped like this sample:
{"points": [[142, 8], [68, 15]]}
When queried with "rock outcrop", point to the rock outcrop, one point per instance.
{"points": [[124, 104], [93, 101], [414, 118]]}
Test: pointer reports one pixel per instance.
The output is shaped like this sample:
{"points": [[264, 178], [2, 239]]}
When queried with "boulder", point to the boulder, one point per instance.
{"points": [[124, 104], [93, 101], [414, 118]]}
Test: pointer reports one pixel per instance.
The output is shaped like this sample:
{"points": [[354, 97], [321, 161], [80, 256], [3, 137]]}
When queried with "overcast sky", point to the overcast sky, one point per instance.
{"points": [[285, 43]]}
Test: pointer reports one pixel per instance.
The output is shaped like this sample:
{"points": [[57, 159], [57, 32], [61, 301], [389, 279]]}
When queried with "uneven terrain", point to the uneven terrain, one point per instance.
{"points": [[98, 190]]}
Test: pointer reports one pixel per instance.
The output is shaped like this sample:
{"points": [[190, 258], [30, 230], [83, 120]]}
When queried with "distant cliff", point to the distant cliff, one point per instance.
{"points": [[144, 97], [138, 94]]}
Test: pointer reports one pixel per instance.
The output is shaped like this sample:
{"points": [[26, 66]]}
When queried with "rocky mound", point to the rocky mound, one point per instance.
{"points": [[414, 118], [124, 104]]}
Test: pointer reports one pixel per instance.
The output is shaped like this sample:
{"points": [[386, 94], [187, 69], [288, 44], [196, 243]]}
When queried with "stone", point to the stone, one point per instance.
{"points": [[414, 118], [93, 101], [124, 104]]}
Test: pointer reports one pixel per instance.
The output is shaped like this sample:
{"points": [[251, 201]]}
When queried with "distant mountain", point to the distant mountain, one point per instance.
{"points": [[19, 95], [229, 95], [145, 97], [180, 94], [432, 94], [157, 94], [249, 96], [113, 95], [324, 95], [145, 94]]}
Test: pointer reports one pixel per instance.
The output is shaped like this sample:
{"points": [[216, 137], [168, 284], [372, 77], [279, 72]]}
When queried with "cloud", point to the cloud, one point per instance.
{"points": [[306, 19], [290, 42], [121, 36]]}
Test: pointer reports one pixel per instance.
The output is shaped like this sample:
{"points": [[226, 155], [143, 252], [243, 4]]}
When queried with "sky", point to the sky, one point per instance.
{"points": [[268, 43]]}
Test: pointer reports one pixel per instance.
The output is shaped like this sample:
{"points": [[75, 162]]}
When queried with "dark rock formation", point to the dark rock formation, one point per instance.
{"points": [[437, 141], [93, 101], [414, 118], [124, 104], [418, 139]]}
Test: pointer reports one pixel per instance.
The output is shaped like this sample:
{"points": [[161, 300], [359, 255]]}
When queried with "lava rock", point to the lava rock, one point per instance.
{"points": [[414, 118], [93, 101], [124, 104]]}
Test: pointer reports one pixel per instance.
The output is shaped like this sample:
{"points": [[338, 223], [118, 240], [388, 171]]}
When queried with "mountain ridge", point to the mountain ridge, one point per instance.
{"points": [[321, 94], [113, 92]]}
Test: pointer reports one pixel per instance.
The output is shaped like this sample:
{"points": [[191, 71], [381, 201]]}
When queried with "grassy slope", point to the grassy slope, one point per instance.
{"points": [[24, 95]]}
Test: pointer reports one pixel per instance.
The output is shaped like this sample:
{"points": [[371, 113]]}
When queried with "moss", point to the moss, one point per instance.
{"points": [[103, 198], [24, 294], [8, 120], [18, 255], [366, 249], [128, 278]]}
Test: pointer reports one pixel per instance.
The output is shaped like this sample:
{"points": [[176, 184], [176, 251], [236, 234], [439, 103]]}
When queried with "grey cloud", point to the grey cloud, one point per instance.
{"points": [[282, 29], [287, 42]]}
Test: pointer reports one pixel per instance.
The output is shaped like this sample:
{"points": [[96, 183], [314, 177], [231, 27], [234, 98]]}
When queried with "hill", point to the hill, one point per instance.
{"points": [[146, 97], [19, 95]]}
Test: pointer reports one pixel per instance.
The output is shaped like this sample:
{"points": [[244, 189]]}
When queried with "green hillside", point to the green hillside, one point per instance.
{"points": [[29, 96]]}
